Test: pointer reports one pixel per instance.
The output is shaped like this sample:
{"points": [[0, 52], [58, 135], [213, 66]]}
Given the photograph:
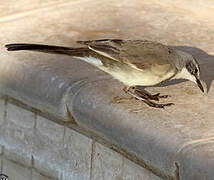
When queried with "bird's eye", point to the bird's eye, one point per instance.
{"points": [[196, 71]]}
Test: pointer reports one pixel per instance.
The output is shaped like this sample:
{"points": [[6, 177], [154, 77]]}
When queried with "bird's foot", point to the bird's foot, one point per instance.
{"points": [[149, 96], [157, 96], [146, 98], [155, 105]]}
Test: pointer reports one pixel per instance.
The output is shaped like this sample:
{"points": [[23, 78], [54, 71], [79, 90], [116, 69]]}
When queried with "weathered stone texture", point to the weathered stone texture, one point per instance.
{"points": [[15, 171], [159, 138]]}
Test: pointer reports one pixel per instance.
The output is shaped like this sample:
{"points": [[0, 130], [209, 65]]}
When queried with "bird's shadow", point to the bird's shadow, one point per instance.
{"points": [[206, 63]]}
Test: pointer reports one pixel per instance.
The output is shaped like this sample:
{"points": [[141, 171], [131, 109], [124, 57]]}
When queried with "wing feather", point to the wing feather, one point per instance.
{"points": [[140, 54]]}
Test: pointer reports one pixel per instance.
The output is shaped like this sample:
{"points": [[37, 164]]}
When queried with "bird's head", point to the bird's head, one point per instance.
{"points": [[190, 70], [194, 72]]}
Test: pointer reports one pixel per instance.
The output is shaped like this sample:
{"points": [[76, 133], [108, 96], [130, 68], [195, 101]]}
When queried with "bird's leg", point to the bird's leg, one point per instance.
{"points": [[149, 96], [118, 99], [145, 98]]}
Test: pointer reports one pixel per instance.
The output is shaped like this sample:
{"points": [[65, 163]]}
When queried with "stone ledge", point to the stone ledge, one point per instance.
{"points": [[154, 138]]}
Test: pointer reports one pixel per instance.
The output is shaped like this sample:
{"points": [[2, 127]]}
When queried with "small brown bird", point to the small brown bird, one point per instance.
{"points": [[133, 62]]}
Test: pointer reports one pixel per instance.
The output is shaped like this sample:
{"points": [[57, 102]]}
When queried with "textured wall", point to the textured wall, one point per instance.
{"points": [[32, 147]]}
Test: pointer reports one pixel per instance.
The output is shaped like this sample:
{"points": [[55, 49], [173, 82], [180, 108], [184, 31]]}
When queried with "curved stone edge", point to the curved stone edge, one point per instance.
{"points": [[42, 82], [195, 160], [84, 107], [71, 123], [34, 82], [177, 162]]}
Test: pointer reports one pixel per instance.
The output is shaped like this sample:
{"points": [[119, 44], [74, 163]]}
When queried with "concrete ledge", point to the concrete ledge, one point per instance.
{"points": [[169, 142]]}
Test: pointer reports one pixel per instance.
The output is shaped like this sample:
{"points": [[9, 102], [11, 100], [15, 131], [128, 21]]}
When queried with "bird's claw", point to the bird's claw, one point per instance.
{"points": [[148, 96], [157, 96], [164, 105]]}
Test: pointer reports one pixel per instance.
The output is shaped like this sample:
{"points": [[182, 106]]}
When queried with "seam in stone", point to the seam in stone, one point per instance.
{"points": [[49, 177], [63, 136], [177, 169], [122, 166], [2, 154], [35, 120], [129, 156], [70, 117], [67, 97], [31, 169], [1, 170], [92, 158], [44, 114], [1, 164], [17, 162], [31, 173], [19, 103], [140, 162], [32, 161]]}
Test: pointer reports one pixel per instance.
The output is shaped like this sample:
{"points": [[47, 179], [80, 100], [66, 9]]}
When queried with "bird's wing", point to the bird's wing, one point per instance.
{"points": [[140, 54]]}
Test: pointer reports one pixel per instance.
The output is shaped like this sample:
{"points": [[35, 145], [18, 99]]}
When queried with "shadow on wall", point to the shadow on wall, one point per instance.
{"points": [[205, 61]]}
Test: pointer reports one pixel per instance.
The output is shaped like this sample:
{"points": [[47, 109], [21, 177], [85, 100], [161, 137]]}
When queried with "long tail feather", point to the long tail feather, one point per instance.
{"points": [[83, 51]]}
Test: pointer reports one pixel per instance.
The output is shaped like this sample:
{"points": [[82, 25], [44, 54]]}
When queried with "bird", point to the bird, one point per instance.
{"points": [[133, 62]]}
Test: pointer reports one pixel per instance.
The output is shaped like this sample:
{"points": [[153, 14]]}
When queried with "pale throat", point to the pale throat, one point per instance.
{"points": [[184, 74]]}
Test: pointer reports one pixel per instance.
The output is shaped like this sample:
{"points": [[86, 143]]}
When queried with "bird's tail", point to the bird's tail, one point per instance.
{"points": [[80, 52]]}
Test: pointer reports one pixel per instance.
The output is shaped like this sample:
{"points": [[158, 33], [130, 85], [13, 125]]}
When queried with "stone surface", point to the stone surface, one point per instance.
{"points": [[20, 117], [23, 7], [2, 112], [16, 134], [38, 176], [64, 160], [15, 171], [196, 156], [67, 158], [49, 129], [50, 82], [77, 148], [108, 165], [132, 171], [1, 150], [1, 163]]}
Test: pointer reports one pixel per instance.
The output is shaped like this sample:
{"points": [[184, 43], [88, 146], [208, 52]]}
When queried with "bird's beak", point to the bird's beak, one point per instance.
{"points": [[199, 84]]}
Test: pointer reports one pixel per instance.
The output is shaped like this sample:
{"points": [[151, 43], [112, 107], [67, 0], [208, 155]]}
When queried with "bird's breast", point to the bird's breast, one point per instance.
{"points": [[131, 76]]}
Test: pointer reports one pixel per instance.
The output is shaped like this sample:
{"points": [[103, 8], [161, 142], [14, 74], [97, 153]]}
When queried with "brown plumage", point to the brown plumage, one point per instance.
{"points": [[133, 62]]}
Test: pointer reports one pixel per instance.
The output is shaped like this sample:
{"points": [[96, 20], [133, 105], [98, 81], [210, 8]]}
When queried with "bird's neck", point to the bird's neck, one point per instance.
{"points": [[183, 74]]}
